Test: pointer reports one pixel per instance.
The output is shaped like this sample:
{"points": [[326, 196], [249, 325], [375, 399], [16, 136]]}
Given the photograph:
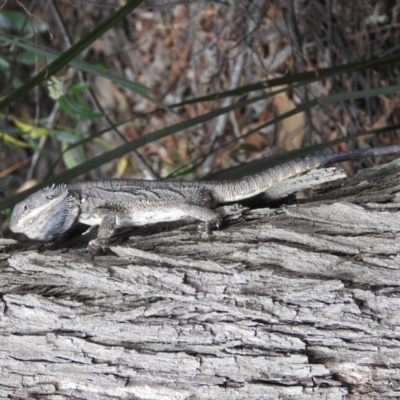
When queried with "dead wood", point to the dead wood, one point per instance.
{"points": [[300, 301]]}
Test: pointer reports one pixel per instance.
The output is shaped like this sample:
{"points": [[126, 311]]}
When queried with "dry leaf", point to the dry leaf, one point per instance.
{"points": [[292, 132], [109, 95]]}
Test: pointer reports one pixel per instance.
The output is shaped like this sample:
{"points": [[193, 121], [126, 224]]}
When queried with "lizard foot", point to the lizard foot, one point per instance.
{"points": [[205, 228], [97, 247]]}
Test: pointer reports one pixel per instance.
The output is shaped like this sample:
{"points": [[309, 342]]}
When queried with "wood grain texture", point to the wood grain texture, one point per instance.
{"points": [[296, 302]]}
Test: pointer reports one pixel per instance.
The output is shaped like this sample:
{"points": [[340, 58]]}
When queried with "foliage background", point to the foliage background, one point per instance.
{"points": [[184, 89]]}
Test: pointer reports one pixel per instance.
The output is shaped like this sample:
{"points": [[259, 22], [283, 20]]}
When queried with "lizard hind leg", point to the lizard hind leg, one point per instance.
{"points": [[210, 219]]}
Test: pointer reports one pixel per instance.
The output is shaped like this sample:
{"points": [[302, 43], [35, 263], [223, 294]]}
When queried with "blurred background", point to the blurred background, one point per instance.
{"points": [[183, 89]]}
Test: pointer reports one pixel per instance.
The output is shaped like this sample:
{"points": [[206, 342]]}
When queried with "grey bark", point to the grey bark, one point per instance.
{"points": [[296, 302]]}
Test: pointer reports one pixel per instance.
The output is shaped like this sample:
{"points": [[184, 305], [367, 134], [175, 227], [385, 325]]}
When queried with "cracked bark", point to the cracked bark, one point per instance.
{"points": [[300, 301]]}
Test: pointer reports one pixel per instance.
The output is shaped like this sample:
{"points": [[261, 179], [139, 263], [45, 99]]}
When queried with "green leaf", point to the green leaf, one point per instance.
{"points": [[68, 157], [4, 64], [30, 58], [11, 140], [20, 23], [64, 136], [335, 98], [77, 108], [79, 87]]}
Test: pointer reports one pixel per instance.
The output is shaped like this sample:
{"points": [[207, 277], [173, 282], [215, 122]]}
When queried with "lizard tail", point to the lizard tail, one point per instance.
{"points": [[240, 189]]}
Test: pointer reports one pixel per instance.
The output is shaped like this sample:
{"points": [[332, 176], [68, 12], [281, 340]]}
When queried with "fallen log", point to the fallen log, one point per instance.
{"points": [[297, 301]]}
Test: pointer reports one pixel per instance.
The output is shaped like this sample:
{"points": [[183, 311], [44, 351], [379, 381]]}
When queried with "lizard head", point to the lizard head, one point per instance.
{"points": [[46, 214]]}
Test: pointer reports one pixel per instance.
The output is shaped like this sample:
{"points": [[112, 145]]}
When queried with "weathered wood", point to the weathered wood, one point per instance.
{"points": [[300, 302]]}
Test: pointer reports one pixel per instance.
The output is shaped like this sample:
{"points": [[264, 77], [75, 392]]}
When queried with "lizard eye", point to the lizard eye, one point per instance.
{"points": [[50, 197], [25, 208]]}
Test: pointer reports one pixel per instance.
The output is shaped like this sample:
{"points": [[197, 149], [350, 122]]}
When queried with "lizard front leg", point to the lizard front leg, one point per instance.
{"points": [[106, 230]]}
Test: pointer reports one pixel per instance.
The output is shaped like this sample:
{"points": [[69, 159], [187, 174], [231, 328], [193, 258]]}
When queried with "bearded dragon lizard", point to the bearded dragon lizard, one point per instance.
{"points": [[51, 212]]}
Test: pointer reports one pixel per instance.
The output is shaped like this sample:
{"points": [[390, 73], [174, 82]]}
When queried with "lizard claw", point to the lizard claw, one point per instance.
{"points": [[205, 227], [97, 247]]}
